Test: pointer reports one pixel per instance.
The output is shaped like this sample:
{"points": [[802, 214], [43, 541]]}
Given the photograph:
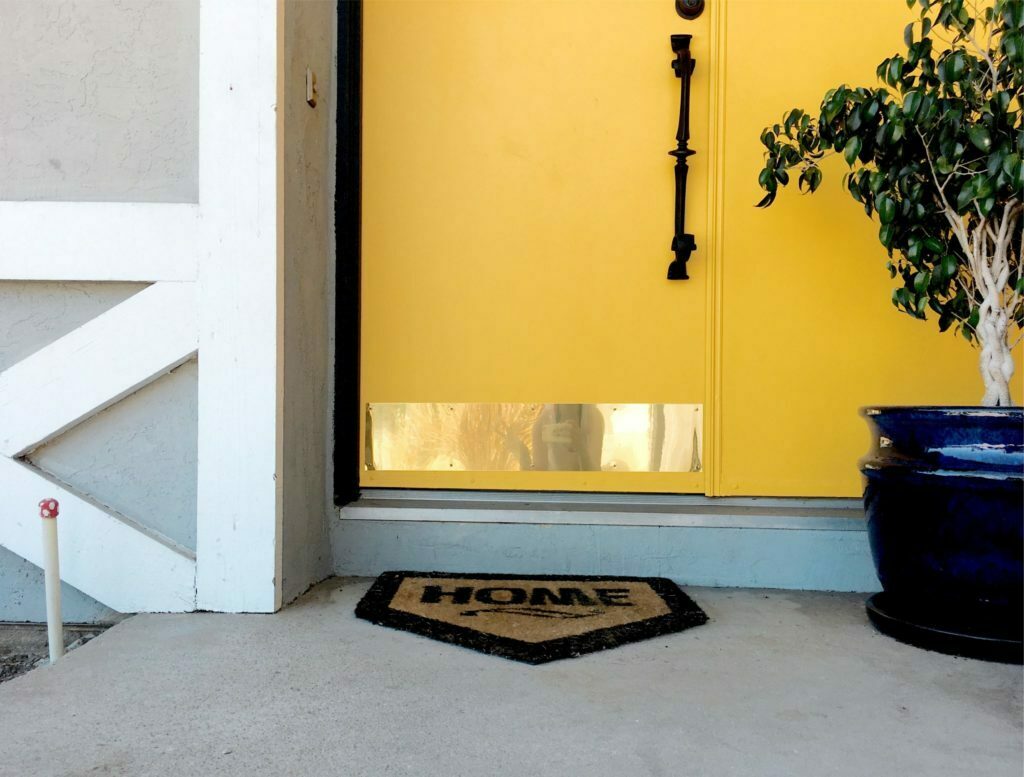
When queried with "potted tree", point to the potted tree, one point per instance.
{"points": [[935, 155]]}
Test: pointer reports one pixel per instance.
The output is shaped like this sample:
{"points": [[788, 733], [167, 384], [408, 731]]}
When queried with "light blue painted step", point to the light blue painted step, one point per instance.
{"points": [[818, 544]]}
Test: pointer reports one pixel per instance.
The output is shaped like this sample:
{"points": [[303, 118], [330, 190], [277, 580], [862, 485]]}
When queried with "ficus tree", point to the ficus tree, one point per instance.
{"points": [[935, 154]]}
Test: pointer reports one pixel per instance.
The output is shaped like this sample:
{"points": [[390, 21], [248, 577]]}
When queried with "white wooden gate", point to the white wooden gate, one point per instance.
{"points": [[214, 273]]}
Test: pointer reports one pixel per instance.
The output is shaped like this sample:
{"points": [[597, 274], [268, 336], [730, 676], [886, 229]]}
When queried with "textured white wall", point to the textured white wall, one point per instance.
{"points": [[138, 456], [35, 313], [99, 100], [23, 596], [309, 35]]}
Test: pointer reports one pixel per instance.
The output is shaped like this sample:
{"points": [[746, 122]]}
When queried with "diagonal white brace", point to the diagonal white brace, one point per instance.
{"points": [[110, 559], [96, 365]]}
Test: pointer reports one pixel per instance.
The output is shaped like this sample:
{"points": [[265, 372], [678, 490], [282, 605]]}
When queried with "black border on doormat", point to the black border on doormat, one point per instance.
{"points": [[684, 614]]}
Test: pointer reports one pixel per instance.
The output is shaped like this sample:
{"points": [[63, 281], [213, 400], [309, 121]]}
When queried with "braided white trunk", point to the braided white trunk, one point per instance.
{"points": [[996, 362], [988, 244]]}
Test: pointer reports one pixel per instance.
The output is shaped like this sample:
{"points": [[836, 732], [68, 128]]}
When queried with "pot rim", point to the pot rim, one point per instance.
{"points": [[968, 410]]}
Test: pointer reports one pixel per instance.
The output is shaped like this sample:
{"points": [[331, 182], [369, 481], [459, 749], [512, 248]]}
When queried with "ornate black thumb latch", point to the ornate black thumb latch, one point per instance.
{"points": [[682, 244]]}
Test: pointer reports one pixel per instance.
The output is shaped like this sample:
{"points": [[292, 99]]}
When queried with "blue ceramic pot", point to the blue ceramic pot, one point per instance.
{"points": [[944, 496]]}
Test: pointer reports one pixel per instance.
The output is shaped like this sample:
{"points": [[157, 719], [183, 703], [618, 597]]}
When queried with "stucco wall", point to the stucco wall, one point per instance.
{"points": [[100, 100], [309, 39], [34, 314], [138, 456], [23, 596]]}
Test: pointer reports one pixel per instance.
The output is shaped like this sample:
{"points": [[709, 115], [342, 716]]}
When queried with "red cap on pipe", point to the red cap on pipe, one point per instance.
{"points": [[49, 508]]}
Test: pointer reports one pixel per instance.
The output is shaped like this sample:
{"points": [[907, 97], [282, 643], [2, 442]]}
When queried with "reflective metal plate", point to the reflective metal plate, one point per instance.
{"points": [[516, 437]]}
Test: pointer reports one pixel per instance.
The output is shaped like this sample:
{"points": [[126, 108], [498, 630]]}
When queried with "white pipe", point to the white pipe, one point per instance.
{"points": [[48, 510]]}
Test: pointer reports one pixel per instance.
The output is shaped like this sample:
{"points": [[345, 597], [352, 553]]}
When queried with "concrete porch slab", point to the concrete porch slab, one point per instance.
{"points": [[778, 683]]}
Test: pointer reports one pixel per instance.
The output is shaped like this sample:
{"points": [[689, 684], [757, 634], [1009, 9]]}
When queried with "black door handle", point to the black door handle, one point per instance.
{"points": [[683, 244]]}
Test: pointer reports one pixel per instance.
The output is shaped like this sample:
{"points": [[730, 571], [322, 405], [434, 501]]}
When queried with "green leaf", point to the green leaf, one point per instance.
{"points": [[887, 234], [1013, 47], [921, 281], [895, 71], [958, 66], [933, 245], [791, 119], [908, 34], [1013, 15], [815, 179], [927, 109], [911, 103], [983, 186], [965, 195], [886, 207], [834, 104], [852, 149], [995, 161], [980, 137], [1012, 167], [922, 303], [948, 266]]}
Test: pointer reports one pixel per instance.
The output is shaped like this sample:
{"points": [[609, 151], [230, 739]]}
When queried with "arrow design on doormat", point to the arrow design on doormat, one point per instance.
{"points": [[533, 612]]}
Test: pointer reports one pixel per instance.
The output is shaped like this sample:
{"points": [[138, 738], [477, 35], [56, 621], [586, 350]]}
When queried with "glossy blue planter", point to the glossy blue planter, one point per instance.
{"points": [[944, 497]]}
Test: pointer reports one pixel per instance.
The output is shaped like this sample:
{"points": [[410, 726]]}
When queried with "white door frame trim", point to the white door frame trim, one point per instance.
{"points": [[241, 273]]}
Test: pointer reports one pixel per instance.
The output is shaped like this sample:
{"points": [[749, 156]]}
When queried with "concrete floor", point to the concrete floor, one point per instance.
{"points": [[778, 683]]}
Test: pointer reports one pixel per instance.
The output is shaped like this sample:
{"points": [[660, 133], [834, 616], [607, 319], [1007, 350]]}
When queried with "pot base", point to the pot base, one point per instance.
{"points": [[987, 640]]}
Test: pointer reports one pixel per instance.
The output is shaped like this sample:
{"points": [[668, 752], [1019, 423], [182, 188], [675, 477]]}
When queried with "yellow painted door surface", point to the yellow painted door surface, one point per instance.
{"points": [[517, 215], [517, 210], [808, 332]]}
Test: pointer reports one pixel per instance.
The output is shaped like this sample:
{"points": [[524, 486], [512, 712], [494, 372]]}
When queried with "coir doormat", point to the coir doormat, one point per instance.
{"points": [[530, 618]]}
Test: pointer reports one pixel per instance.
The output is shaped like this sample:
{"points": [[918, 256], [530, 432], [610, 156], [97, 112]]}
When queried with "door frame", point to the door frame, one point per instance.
{"points": [[347, 232]]}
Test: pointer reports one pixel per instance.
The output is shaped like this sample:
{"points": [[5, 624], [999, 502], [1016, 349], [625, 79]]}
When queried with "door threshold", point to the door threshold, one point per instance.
{"points": [[603, 509]]}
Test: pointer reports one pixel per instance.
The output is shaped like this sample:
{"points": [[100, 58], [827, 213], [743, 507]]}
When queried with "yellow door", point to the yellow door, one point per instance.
{"points": [[517, 212], [517, 220]]}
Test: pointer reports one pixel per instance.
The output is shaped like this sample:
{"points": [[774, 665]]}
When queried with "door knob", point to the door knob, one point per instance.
{"points": [[689, 9]]}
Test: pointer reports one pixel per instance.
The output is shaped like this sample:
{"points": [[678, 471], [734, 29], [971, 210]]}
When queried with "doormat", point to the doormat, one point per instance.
{"points": [[529, 618]]}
